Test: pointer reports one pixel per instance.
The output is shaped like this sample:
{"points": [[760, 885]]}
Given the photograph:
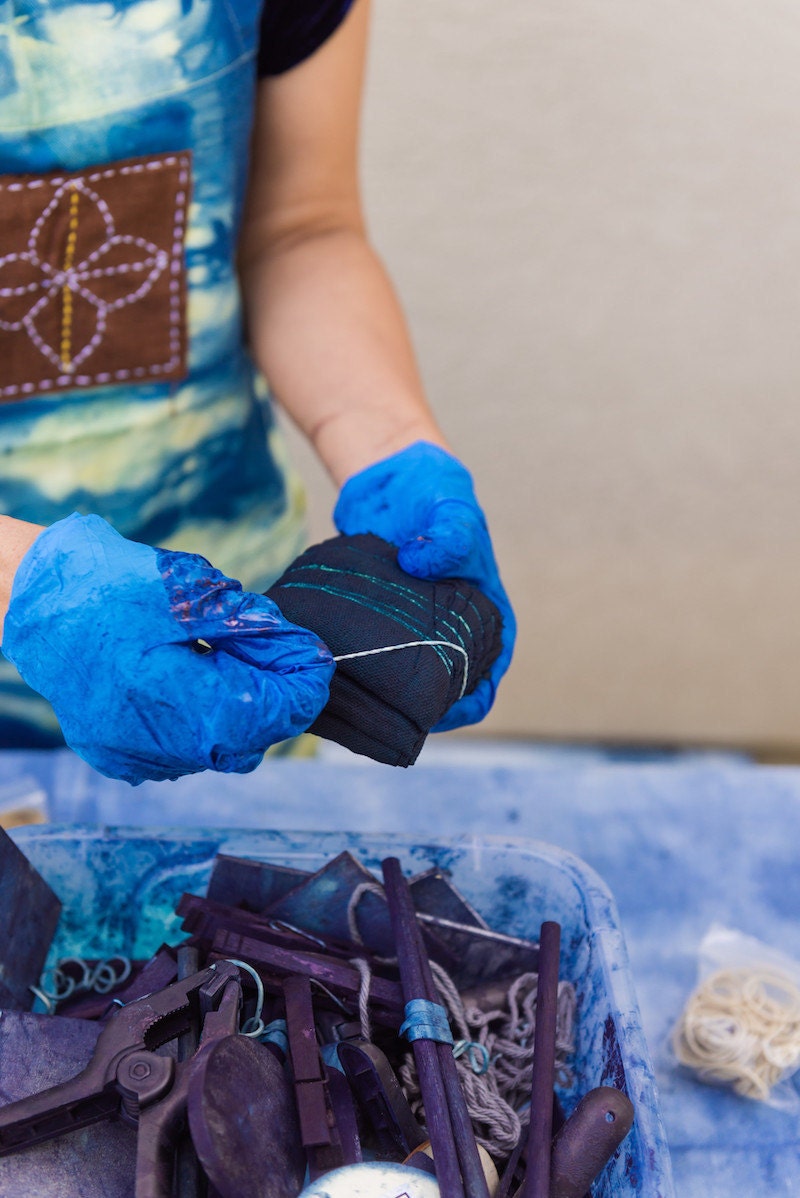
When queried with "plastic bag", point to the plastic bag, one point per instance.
{"points": [[741, 1025]]}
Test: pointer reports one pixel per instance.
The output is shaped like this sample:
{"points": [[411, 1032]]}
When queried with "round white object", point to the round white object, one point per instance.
{"points": [[489, 1167], [373, 1179]]}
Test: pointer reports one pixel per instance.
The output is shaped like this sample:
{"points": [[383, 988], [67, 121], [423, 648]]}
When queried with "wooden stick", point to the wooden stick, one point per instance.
{"points": [[399, 897], [537, 1176]]}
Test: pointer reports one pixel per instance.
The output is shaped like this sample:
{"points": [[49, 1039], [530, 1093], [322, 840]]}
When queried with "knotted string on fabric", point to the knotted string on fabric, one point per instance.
{"points": [[406, 648]]}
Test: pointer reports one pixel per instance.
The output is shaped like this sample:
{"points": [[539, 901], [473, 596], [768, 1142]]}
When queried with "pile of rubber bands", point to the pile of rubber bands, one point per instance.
{"points": [[742, 1027]]}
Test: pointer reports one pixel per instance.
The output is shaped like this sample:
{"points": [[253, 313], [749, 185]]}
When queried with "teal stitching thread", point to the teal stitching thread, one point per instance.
{"points": [[383, 609], [413, 597], [402, 617], [406, 591]]}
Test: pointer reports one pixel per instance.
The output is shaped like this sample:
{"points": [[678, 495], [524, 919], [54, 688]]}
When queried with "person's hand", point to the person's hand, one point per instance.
{"points": [[155, 663], [422, 500]]}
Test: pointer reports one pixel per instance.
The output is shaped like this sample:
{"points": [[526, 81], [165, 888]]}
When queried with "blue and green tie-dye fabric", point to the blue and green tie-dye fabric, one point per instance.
{"points": [[196, 464]]}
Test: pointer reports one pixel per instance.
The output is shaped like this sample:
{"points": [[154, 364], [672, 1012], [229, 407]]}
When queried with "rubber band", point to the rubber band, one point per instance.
{"points": [[105, 977], [83, 983], [60, 986], [57, 984], [254, 1026], [44, 998], [477, 1054], [125, 972], [412, 645], [741, 1026], [426, 1020]]}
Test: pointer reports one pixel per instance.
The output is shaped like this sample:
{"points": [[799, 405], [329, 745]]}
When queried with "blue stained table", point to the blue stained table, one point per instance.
{"points": [[681, 841]]}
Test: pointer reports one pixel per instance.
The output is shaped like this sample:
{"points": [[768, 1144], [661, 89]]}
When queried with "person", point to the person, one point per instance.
{"points": [[138, 149]]}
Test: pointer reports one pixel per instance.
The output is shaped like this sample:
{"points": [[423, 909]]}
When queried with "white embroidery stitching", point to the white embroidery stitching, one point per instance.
{"points": [[75, 279]]}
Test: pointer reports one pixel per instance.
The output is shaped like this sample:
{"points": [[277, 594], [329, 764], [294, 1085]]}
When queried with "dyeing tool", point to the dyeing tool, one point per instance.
{"points": [[127, 1079]]}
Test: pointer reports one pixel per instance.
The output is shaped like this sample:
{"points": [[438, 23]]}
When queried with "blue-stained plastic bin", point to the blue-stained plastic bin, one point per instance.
{"points": [[119, 888]]}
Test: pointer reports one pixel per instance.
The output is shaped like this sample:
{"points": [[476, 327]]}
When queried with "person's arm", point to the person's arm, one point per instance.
{"points": [[16, 538], [327, 330], [323, 319]]}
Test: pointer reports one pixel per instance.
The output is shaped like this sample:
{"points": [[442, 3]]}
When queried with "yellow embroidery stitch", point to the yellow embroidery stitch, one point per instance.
{"points": [[66, 293], [61, 302]]}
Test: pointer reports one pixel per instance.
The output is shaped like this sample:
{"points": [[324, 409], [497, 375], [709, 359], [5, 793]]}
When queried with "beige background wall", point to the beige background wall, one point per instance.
{"points": [[592, 213]]}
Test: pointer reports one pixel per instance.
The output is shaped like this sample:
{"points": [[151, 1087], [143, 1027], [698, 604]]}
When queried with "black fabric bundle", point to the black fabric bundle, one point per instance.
{"points": [[354, 595]]}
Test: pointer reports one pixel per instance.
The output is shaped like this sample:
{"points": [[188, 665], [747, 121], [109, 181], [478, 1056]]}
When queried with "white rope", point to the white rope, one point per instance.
{"points": [[365, 974], [494, 1049], [411, 645], [741, 1026], [352, 907], [496, 1098]]}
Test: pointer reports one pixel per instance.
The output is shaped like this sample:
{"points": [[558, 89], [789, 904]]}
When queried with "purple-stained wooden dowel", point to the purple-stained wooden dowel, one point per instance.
{"points": [[273, 962], [537, 1175], [472, 1171], [474, 1180], [475, 1184], [431, 1083]]}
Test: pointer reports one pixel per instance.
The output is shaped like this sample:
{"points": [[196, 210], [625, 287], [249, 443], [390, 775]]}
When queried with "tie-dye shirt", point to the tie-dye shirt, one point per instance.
{"points": [[126, 388]]}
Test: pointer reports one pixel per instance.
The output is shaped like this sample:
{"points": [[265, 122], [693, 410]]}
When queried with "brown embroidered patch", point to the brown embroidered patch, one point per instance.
{"points": [[92, 276]]}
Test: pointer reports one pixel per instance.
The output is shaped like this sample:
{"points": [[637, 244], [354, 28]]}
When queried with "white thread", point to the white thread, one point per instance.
{"points": [[495, 1098], [352, 907], [365, 973], [741, 1026], [411, 645]]}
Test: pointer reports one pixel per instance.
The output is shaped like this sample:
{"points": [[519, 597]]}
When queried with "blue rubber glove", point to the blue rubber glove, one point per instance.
{"points": [[106, 629], [422, 500]]}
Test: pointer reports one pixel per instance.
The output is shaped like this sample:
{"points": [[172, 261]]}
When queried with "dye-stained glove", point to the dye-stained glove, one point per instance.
{"points": [[422, 500], [108, 629]]}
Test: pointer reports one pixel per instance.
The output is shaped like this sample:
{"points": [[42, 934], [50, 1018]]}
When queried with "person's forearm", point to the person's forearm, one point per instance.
{"points": [[327, 330], [16, 538]]}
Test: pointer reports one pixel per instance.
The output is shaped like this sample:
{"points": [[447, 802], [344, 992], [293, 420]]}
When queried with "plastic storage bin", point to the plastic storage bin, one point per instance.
{"points": [[119, 888]]}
